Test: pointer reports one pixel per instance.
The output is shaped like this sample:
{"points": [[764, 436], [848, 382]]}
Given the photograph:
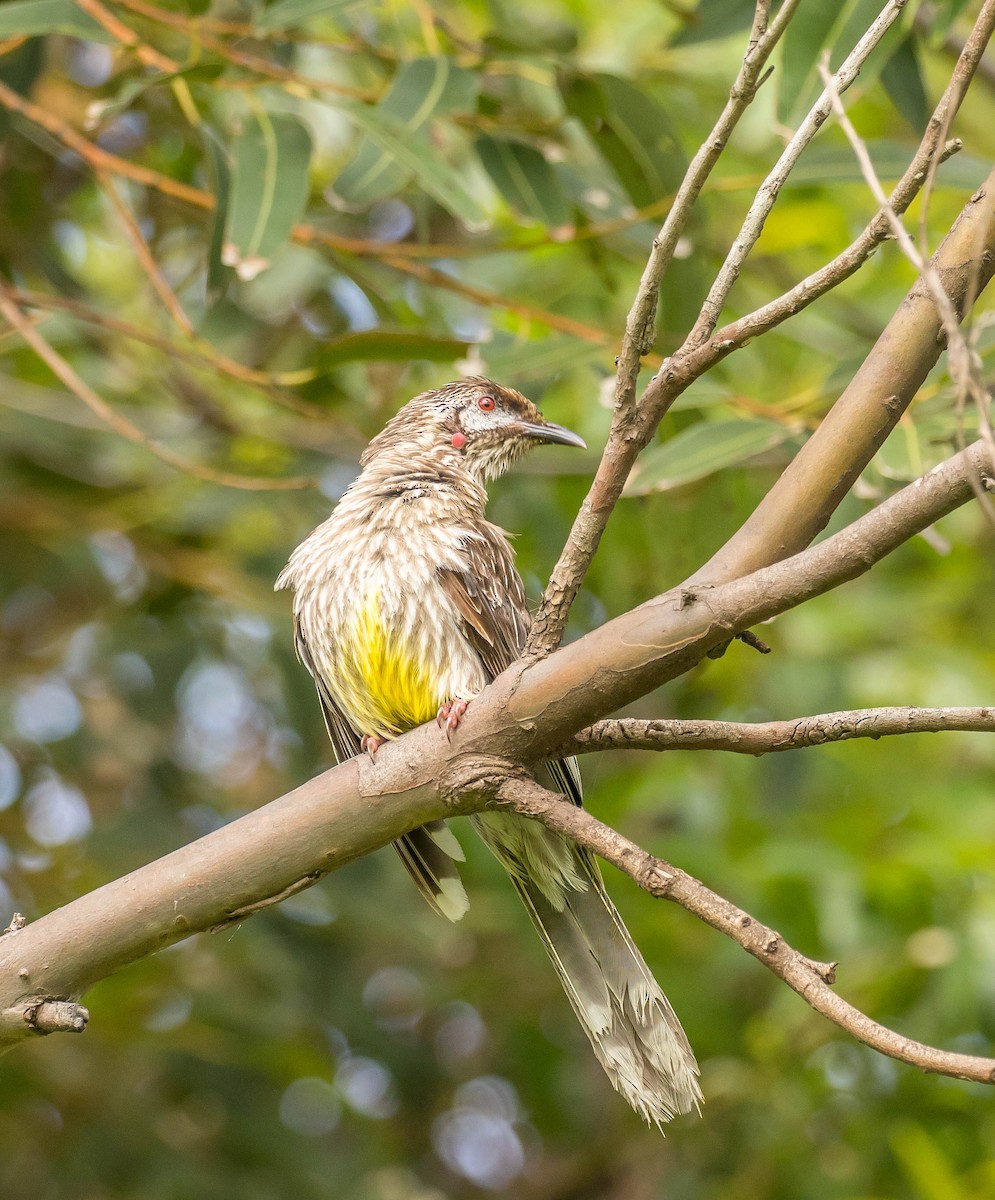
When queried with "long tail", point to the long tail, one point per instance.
{"points": [[634, 1031]]}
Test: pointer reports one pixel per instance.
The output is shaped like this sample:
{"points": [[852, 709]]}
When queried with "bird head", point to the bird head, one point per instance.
{"points": [[485, 426]]}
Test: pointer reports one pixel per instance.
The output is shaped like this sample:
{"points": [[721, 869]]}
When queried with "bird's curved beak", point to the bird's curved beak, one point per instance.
{"points": [[548, 432]]}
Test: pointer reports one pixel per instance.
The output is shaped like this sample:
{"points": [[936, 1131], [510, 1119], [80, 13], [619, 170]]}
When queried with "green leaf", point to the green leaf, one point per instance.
{"points": [[630, 130], [702, 450], [286, 13], [424, 88], [837, 165], [30, 18], [838, 26], [269, 188], [525, 179], [386, 345], [412, 153], [803, 42], [902, 79], [944, 14], [135, 86], [219, 169], [509, 357], [19, 68], [714, 19]]}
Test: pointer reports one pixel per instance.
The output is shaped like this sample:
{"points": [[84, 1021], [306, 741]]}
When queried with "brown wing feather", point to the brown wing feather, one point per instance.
{"points": [[428, 863], [490, 599]]}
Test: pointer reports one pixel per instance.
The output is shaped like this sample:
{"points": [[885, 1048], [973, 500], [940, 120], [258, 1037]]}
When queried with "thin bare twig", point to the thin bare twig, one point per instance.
{"points": [[624, 439], [932, 148], [147, 55], [633, 425], [772, 737], [145, 257], [770, 189], [962, 361], [810, 979], [120, 424], [195, 350]]}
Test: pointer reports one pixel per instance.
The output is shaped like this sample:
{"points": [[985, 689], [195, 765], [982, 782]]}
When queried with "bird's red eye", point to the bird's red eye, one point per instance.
{"points": [[486, 403]]}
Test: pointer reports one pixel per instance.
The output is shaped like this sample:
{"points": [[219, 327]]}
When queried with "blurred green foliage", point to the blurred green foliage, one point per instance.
{"points": [[467, 184]]}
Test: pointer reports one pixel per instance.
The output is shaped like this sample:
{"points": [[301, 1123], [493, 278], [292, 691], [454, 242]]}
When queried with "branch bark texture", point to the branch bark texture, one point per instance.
{"points": [[772, 737]]}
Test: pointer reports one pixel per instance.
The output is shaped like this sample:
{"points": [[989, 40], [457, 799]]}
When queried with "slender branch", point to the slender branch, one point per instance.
{"points": [[770, 189], [771, 737], [810, 979], [633, 426], [147, 55], [624, 439], [120, 424], [640, 326], [932, 148], [146, 259], [963, 363], [194, 350]]}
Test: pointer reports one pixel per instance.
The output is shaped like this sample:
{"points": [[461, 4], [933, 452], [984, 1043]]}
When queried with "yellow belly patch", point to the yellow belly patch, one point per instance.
{"points": [[389, 689]]}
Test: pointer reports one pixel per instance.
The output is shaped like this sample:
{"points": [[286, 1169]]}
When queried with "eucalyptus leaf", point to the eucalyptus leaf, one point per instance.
{"points": [[902, 79], [135, 86], [412, 154], [31, 18], [630, 130], [797, 79], [424, 88], [524, 177], [389, 345], [219, 168], [701, 450], [285, 14], [269, 188]]}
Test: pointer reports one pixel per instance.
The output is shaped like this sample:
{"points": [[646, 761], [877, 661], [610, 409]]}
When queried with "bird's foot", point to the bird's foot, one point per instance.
{"points": [[450, 715], [371, 744]]}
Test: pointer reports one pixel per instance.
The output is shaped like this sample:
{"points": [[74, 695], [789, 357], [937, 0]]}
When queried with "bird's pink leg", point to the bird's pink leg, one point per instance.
{"points": [[450, 715], [371, 744]]}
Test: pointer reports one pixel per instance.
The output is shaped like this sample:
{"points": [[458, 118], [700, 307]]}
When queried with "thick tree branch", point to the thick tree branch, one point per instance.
{"points": [[770, 737], [801, 502], [810, 979], [361, 805]]}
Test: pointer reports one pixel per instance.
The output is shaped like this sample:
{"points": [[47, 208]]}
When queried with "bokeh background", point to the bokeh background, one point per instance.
{"points": [[475, 186]]}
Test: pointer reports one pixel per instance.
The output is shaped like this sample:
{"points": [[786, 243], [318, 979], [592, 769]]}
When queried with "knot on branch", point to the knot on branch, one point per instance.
{"points": [[51, 1015], [17, 922], [472, 781], [653, 876]]}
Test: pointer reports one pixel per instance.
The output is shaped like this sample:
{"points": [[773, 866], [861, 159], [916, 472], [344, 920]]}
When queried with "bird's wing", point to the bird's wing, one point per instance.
{"points": [[428, 851], [490, 600], [345, 740], [489, 597]]}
